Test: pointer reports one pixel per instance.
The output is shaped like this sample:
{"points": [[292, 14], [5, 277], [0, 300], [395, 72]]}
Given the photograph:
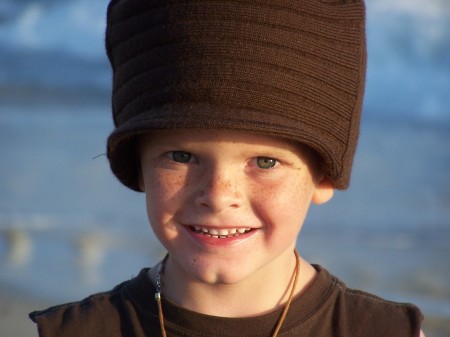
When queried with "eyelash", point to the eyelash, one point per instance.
{"points": [[187, 157]]}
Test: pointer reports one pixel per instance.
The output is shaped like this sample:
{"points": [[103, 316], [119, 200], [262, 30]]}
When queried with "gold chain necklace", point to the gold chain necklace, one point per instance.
{"points": [[280, 321]]}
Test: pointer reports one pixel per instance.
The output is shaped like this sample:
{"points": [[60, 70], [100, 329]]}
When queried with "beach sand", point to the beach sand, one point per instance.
{"points": [[14, 310]]}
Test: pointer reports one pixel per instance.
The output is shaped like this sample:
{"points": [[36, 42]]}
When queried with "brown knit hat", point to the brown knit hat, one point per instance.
{"points": [[288, 68]]}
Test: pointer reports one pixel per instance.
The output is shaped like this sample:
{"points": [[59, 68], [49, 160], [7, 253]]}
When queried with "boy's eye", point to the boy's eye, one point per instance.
{"points": [[180, 156], [266, 162]]}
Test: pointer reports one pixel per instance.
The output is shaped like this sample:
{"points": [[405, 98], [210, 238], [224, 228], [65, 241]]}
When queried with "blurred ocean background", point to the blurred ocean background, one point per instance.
{"points": [[68, 228]]}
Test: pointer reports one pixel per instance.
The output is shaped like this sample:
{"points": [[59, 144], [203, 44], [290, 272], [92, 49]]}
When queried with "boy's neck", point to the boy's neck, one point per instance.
{"points": [[262, 293]]}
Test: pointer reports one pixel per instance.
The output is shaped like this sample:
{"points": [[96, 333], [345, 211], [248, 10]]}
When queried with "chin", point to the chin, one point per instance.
{"points": [[217, 273]]}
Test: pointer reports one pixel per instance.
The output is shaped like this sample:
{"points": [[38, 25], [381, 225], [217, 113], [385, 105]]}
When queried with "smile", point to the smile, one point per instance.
{"points": [[220, 233]]}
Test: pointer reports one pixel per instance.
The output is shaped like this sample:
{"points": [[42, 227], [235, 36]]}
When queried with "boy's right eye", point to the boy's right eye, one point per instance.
{"points": [[266, 163], [180, 156]]}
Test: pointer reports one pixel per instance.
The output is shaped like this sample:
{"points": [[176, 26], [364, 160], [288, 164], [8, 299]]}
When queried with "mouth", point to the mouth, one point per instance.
{"points": [[220, 233]]}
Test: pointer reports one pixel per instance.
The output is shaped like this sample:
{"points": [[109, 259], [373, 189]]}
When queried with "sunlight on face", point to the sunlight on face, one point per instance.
{"points": [[226, 204]]}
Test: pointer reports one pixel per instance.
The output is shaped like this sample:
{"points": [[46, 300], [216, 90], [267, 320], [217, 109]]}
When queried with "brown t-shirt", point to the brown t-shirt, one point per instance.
{"points": [[328, 308]]}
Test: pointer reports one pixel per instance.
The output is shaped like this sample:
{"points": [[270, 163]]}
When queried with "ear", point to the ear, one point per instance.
{"points": [[324, 192]]}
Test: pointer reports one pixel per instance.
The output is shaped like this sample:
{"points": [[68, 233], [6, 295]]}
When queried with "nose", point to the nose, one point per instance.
{"points": [[219, 191]]}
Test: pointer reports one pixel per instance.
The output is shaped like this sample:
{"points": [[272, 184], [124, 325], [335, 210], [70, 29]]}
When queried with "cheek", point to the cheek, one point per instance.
{"points": [[285, 204], [163, 193], [164, 185]]}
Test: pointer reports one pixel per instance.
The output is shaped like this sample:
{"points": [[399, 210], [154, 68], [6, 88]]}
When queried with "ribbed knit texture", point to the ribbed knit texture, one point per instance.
{"points": [[294, 69]]}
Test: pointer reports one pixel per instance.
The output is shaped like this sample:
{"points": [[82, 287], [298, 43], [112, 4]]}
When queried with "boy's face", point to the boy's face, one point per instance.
{"points": [[227, 205]]}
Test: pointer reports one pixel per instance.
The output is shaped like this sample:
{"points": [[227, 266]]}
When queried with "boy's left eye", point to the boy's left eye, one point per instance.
{"points": [[180, 156], [266, 162]]}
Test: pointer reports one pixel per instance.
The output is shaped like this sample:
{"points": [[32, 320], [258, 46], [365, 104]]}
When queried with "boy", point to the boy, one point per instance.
{"points": [[232, 117]]}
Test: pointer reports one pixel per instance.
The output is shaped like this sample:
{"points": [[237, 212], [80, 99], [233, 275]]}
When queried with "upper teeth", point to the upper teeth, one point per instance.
{"points": [[221, 231]]}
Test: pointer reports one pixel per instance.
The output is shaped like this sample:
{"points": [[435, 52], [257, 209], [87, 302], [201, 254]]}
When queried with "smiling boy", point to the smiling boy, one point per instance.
{"points": [[233, 117], [218, 204]]}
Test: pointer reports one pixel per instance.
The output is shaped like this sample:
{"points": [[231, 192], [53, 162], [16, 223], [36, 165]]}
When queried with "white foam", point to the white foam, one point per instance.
{"points": [[76, 27]]}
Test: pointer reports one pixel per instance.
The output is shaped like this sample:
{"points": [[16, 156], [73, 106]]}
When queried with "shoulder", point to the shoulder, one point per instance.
{"points": [[96, 315], [360, 310], [81, 318]]}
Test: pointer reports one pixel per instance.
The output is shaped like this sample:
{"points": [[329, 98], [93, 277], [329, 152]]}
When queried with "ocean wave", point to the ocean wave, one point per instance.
{"points": [[60, 45], [75, 27]]}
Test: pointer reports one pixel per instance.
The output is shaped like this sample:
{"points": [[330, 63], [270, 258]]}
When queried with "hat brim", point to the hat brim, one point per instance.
{"points": [[122, 145]]}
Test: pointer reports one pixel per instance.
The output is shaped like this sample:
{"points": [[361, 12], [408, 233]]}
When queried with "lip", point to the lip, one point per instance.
{"points": [[220, 242]]}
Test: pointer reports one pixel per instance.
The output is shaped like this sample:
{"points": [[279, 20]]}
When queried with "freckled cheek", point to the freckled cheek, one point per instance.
{"points": [[280, 205], [165, 193]]}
